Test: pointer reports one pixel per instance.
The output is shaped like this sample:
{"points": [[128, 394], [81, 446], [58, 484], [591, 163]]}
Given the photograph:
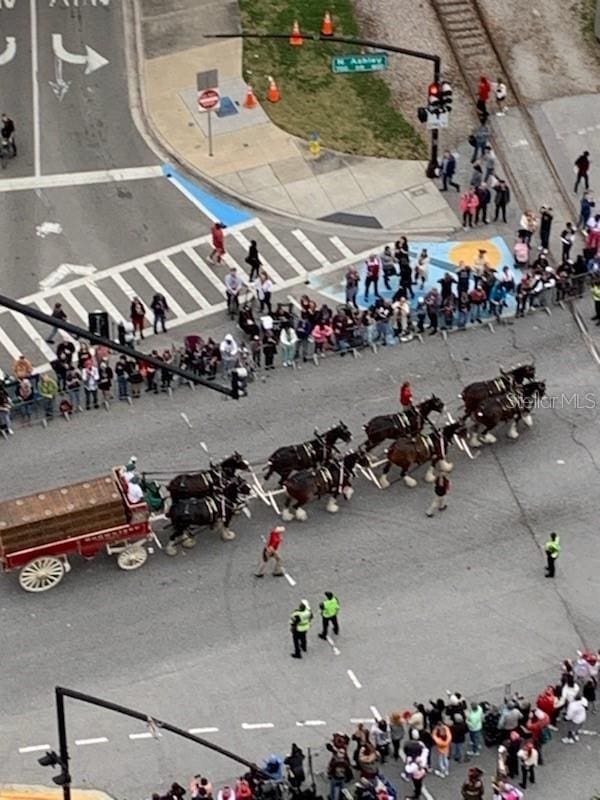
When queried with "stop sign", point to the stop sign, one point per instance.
{"points": [[209, 100]]}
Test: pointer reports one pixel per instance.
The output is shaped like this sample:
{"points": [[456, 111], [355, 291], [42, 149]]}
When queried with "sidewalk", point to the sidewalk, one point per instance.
{"points": [[17, 791], [254, 160]]}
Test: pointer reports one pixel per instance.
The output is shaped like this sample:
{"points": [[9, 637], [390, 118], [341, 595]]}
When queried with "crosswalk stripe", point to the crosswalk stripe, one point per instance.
{"points": [[204, 268], [158, 287], [105, 303], [72, 301], [35, 337], [185, 283], [280, 248], [271, 271], [231, 262], [310, 247], [120, 281], [344, 249], [8, 344]]}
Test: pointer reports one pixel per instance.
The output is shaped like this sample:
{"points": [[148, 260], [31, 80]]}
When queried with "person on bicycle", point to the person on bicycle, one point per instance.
{"points": [[7, 131], [233, 287]]}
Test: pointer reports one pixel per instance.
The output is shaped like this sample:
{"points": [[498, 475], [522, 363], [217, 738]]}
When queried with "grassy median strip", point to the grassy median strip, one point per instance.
{"points": [[353, 113]]}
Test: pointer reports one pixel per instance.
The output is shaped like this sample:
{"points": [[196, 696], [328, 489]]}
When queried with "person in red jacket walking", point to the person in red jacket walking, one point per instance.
{"points": [[218, 241], [484, 89], [272, 551], [406, 396]]}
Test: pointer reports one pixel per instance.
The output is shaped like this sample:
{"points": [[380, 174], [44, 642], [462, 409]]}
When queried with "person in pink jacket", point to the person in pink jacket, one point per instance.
{"points": [[321, 334], [469, 203]]}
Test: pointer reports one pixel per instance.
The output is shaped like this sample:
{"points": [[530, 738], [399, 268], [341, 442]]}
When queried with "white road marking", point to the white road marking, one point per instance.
{"points": [[192, 198], [204, 268], [581, 131], [8, 344], [34, 748], [364, 720], [256, 726], [231, 262], [183, 281], [71, 300], [280, 248], [104, 301], [240, 237], [375, 712], [310, 247], [344, 249], [35, 92], [120, 281], [203, 730], [186, 419], [289, 579], [47, 227], [9, 51], [354, 679], [145, 735], [78, 178], [34, 336], [158, 287], [521, 143], [311, 722], [330, 641], [97, 740], [56, 276], [91, 58]]}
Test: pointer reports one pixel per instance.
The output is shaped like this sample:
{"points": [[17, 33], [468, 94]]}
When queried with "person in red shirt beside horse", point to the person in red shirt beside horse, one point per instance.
{"points": [[406, 396], [271, 551]]}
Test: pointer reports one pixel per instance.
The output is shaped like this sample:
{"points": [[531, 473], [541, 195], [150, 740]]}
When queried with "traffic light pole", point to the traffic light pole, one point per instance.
{"points": [[62, 741], [388, 48]]}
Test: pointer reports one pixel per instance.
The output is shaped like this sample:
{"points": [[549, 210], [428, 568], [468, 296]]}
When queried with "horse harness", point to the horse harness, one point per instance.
{"points": [[434, 445], [501, 385]]}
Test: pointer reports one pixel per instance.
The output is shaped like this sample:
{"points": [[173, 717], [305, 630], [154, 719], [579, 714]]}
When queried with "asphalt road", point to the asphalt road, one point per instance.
{"points": [[458, 602]]}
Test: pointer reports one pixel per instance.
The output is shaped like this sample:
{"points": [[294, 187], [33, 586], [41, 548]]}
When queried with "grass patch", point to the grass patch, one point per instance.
{"points": [[588, 20], [352, 113]]}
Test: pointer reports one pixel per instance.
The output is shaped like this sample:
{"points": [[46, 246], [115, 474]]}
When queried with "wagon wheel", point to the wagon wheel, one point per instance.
{"points": [[132, 557], [41, 574]]}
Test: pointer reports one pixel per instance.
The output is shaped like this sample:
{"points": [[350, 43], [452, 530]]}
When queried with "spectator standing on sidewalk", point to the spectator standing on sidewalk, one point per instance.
{"points": [[576, 716], [137, 313], [567, 237], [288, 340], [159, 309], [475, 726], [264, 290], [73, 383], [468, 206], [90, 377], [352, 281], [443, 740], [387, 266], [582, 170], [22, 368], [372, 275], [447, 171], [122, 371], [528, 759], [5, 407], [483, 196], [586, 206], [484, 89], [48, 389], [502, 199], [546, 217], [478, 141], [500, 93], [489, 164], [58, 312], [105, 379], [433, 303], [472, 788]]}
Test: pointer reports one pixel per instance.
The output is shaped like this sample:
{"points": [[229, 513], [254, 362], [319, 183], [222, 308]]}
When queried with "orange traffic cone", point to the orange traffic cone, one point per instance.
{"points": [[327, 27], [296, 38], [273, 95], [250, 101]]}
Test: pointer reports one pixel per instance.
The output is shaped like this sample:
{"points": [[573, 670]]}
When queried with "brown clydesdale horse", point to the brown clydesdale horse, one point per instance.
{"points": [[405, 423], [475, 393], [430, 448], [510, 407]]}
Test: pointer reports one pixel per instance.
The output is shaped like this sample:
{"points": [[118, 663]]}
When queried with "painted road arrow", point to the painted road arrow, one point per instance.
{"points": [[57, 275], [9, 51], [91, 59]]}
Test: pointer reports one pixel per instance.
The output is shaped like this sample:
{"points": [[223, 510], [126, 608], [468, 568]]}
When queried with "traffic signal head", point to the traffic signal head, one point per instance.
{"points": [[446, 96], [422, 114], [50, 759], [433, 98]]}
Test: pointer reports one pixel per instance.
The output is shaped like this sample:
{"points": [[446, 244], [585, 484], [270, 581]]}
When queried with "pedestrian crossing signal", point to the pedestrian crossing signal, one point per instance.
{"points": [[446, 96]]}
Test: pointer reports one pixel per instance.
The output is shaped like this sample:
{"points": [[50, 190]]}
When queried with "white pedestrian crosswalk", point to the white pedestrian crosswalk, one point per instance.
{"points": [[191, 284]]}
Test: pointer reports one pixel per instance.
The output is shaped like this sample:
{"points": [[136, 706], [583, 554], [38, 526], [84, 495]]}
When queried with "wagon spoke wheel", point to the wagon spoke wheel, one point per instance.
{"points": [[41, 574], [132, 557]]}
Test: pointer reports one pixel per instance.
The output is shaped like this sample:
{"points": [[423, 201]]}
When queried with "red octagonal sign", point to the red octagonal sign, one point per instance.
{"points": [[209, 100]]}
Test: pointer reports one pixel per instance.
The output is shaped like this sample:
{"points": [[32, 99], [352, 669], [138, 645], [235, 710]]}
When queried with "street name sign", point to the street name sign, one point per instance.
{"points": [[372, 62]]}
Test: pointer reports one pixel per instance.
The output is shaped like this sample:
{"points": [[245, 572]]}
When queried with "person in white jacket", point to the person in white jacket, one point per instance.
{"points": [[288, 339], [576, 716], [229, 353]]}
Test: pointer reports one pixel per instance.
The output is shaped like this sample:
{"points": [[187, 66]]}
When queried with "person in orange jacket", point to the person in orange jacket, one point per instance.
{"points": [[442, 738]]}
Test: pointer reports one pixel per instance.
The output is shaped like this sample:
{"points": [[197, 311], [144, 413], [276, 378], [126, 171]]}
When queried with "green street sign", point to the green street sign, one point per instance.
{"points": [[373, 62]]}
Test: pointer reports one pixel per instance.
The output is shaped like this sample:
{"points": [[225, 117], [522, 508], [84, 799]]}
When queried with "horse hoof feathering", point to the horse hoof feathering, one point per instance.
{"points": [[488, 438], [528, 420], [171, 549], [301, 515], [384, 482], [429, 476], [410, 481], [332, 506], [227, 534], [446, 466], [348, 491], [287, 516]]}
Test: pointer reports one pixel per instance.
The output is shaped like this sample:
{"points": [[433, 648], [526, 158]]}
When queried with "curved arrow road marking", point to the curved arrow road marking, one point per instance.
{"points": [[91, 59], [9, 51]]}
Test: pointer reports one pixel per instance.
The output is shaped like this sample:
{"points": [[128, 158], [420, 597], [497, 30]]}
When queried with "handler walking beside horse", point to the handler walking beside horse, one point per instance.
{"points": [[441, 487], [271, 551]]}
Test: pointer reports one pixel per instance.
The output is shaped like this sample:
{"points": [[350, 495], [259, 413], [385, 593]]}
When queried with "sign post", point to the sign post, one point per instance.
{"points": [[209, 100]]}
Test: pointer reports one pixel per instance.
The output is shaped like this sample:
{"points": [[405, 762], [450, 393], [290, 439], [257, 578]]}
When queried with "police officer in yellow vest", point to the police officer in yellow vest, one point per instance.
{"points": [[300, 623], [552, 548], [329, 611]]}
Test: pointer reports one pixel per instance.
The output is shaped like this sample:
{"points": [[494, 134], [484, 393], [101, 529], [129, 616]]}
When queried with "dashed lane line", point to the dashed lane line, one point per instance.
{"points": [[354, 679], [375, 712], [256, 726], [145, 735], [203, 730], [289, 579], [311, 723], [34, 748], [336, 650], [96, 740]]}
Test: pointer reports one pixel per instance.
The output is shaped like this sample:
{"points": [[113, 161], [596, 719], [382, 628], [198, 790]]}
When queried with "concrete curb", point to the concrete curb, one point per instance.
{"points": [[18, 791], [134, 57]]}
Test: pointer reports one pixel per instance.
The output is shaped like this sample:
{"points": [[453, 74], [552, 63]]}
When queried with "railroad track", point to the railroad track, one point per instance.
{"points": [[517, 141]]}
